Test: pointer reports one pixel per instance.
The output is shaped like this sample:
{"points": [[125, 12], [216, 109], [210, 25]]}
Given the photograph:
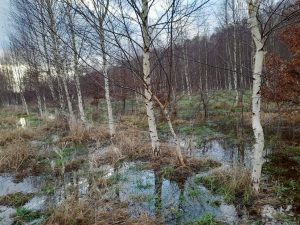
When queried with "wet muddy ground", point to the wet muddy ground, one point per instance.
{"points": [[159, 195]]}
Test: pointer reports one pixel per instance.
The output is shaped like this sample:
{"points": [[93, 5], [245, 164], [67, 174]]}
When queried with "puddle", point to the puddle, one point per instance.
{"points": [[144, 190], [5, 214], [29, 184], [225, 152], [69, 184], [222, 150], [176, 203]]}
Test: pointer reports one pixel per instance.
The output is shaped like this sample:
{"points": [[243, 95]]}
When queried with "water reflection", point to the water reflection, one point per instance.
{"points": [[29, 184], [147, 191]]}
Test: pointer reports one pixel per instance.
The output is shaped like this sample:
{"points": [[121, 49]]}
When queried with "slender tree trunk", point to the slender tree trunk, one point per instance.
{"points": [[147, 81], [235, 75], [39, 101], [256, 94], [45, 104], [206, 67], [186, 73], [75, 67], [24, 103], [70, 107], [111, 124], [55, 51], [176, 139], [60, 95]]}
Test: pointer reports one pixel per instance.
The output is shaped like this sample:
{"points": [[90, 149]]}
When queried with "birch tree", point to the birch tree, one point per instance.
{"points": [[259, 56], [260, 34], [71, 20], [95, 14], [146, 78], [149, 28]]}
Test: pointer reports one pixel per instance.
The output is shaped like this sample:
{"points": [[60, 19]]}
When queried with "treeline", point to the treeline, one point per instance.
{"points": [[203, 62]]}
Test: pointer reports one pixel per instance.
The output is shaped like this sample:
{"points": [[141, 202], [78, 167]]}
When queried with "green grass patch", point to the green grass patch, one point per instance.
{"points": [[140, 184], [137, 167], [167, 171], [205, 219], [116, 178], [234, 186], [25, 215], [48, 188], [33, 120], [16, 199], [193, 192]]}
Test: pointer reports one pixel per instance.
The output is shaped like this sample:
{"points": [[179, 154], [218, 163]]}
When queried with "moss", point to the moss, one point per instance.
{"points": [[16, 199]]}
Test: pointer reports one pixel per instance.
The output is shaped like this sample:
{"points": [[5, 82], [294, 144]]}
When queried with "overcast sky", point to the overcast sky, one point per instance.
{"points": [[4, 21], [4, 12]]}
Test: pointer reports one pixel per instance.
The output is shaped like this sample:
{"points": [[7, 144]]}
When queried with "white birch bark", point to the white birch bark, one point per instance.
{"points": [[176, 139], [55, 51], [235, 78], [186, 74], [111, 124], [24, 103], [147, 82], [101, 14], [69, 103], [46, 55], [75, 66], [206, 67], [256, 93]]}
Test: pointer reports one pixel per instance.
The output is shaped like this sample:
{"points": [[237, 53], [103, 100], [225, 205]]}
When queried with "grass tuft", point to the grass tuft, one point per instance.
{"points": [[17, 156], [16, 199], [234, 185]]}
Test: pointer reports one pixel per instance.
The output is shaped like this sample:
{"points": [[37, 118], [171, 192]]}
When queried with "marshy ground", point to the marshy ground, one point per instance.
{"points": [[52, 173]]}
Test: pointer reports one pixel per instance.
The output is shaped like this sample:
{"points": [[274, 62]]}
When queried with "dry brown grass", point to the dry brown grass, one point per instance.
{"points": [[133, 143], [58, 124], [138, 120], [72, 211], [90, 212], [8, 136], [268, 118], [8, 121], [16, 155], [234, 184], [129, 143], [80, 133], [292, 117], [13, 109]]}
